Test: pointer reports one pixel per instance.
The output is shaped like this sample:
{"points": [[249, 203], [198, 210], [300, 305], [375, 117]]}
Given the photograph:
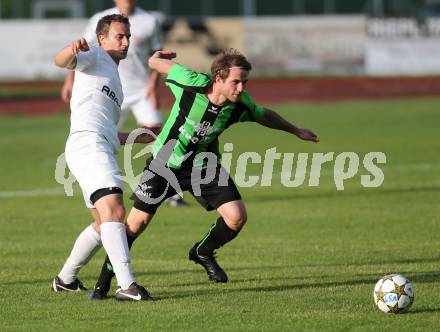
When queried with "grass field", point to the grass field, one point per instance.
{"points": [[307, 260]]}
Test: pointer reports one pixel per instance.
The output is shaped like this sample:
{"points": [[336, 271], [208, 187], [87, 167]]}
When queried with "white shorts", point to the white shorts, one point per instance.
{"points": [[92, 161], [143, 112]]}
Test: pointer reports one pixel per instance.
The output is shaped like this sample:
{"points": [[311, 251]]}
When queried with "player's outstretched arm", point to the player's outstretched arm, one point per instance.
{"points": [[273, 120], [66, 58], [161, 61]]}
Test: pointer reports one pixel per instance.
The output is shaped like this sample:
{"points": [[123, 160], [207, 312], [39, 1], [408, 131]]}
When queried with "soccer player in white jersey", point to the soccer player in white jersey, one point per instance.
{"points": [[139, 82], [91, 154]]}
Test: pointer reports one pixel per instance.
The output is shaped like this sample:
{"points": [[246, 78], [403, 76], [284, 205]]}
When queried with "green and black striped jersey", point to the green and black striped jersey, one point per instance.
{"points": [[195, 123]]}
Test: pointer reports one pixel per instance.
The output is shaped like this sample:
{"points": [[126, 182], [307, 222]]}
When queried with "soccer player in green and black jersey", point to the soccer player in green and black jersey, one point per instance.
{"points": [[186, 155]]}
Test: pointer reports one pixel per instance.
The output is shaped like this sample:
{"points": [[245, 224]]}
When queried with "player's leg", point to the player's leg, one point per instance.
{"points": [[227, 201], [140, 216], [137, 222], [85, 246], [225, 228], [114, 240], [80, 152], [232, 218]]}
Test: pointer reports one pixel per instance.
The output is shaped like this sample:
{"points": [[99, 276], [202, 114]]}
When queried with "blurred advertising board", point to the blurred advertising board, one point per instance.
{"points": [[403, 46], [282, 46], [29, 46], [311, 44]]}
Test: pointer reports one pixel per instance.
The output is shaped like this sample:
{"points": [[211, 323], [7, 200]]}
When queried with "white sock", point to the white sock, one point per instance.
{"points": [[86, 245], [114, 241]]}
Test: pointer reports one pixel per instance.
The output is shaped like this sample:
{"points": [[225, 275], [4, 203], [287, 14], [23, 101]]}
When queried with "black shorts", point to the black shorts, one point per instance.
{"points": [[153, 189]]}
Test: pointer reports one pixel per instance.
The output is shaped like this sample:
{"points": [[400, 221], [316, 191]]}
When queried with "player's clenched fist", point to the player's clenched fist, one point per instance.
{"points": [[161, 61], [79, 45], [66, 58]]}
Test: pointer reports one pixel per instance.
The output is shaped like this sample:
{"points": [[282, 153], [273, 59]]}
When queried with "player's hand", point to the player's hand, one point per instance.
{"points": [[79, 45], [165, 55], [161, 61], [306, 135]]}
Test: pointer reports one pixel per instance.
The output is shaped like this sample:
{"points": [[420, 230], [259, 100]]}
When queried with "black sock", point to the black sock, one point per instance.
{"points": [[218, 235], [107, 274]]}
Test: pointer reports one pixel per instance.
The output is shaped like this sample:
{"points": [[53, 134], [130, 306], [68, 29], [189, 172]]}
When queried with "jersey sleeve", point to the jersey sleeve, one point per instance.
{"points": [[181, 78], [87, 59], [251, 110]]}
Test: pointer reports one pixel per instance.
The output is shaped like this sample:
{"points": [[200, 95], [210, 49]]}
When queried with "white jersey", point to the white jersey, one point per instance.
{"points": [[145, 38], [96, 95]]}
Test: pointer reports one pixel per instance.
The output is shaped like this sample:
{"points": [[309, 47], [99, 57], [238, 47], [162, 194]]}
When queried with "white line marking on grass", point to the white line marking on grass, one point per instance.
{"points": [[33, 193]]}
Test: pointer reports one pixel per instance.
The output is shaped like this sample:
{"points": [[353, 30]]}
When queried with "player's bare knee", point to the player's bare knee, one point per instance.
{"points": [[119, 213], [240, 220], [112, 213], [234, 214], [236, 220]]}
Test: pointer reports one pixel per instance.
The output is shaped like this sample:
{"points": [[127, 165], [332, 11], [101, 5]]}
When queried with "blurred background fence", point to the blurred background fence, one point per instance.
{"points": [[281, 37], [369, 48], [13, 9]]}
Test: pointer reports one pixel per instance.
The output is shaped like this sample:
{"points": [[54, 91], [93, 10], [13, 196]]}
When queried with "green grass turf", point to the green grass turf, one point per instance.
{"points": [[307, 260]]}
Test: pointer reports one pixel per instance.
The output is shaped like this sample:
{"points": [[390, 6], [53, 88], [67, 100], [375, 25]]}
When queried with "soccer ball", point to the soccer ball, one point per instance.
{"points": [[393, 294]]}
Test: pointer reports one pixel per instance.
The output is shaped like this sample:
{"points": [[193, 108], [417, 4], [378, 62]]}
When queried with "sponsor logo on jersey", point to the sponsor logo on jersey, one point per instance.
{"points": [[110, 93], [213, 109], [202, 131]]}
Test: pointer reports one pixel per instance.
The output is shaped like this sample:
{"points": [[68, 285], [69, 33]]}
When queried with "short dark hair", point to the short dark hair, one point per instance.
{"points": [[104, 23], [227, 58]]}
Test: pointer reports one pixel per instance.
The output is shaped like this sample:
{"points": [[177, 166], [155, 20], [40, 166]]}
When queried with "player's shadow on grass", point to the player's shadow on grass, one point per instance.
{"points": [[415, 311], [366, 279], [377, 262], [163, 272], [237, 281], [422, 277], [220, 289], [414, 276]]}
